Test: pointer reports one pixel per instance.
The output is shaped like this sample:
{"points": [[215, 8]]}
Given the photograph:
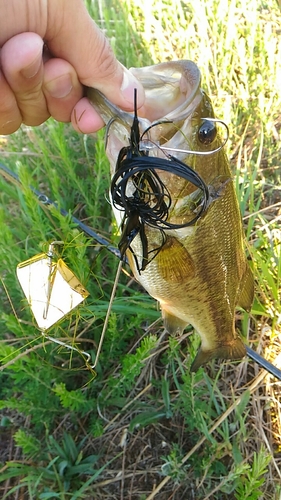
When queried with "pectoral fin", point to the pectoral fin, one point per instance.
{"points": [[175, 265], [235, 350], [246, 295]]}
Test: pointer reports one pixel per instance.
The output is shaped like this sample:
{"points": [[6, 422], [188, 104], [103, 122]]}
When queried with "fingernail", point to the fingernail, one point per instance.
{"points": [[32, 70], [59, 87], [129, 84], [9, 127]]}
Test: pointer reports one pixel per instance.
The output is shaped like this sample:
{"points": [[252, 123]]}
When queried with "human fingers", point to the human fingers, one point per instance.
{"points": [[71, 35], [10, 116], [22, 67], [61, 87], [89, 52]]}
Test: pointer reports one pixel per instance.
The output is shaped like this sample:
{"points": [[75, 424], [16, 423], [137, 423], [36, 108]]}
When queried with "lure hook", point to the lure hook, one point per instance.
{"points": [[138, 191]]}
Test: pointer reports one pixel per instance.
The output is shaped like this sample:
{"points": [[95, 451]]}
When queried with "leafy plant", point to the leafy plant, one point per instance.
{"points": [[143, 404], [253, 477], [60, 471]]}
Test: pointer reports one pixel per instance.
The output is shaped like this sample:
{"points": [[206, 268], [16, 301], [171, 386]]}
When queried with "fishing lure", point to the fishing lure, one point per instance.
{"points": [[137, 189], [47, 202]]}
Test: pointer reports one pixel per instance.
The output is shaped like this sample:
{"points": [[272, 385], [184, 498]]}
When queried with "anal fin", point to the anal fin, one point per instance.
{"points": [[173, 324]]}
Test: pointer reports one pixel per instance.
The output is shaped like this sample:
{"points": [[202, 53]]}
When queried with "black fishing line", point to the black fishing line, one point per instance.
{"points": [[138, 191], [45, 201], [151, 197]]}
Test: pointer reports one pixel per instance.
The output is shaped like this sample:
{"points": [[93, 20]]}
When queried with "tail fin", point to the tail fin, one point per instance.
{"points": [[234, 350]]}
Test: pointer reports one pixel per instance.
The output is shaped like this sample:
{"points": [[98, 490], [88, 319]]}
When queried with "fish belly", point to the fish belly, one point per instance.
{"points": [[199, 279]]}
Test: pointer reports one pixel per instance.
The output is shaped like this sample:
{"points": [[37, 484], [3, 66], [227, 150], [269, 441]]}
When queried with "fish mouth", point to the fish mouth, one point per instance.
{"points": [[172, 95], [172, 90], [139, 187], [148, 179]]}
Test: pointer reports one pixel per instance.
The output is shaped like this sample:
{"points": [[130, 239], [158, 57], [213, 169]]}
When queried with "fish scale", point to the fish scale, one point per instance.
{"points": [[200, 273], [207, 299]]}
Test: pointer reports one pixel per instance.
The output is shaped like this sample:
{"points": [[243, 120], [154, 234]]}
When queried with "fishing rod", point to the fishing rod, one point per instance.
{"points": [[267, 365], [45, 201]]}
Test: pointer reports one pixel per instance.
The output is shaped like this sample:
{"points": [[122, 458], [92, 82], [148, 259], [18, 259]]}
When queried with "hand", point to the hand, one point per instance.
{"points": [[48, 51]]}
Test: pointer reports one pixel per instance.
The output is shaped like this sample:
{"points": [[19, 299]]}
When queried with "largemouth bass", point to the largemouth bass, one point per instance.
{"points": [[192, 259]]}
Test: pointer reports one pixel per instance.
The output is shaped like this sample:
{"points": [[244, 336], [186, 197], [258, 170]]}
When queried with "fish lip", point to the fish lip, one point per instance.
{"points": [[111, 113], [162, 82], [179, 84]]}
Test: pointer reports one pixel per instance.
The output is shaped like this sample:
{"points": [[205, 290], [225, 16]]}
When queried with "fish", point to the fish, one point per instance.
{"points": [[174, 200]]}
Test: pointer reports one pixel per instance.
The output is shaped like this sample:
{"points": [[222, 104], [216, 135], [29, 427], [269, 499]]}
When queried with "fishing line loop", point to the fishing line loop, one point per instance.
{"points": [[12, 177], [138, 190]]}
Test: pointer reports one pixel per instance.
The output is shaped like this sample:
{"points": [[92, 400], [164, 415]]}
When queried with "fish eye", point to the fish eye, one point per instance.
{"points": [[207, 132]]}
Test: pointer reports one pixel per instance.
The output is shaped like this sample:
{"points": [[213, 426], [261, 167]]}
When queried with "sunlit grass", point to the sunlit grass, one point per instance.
{"points": [[144, 397]]}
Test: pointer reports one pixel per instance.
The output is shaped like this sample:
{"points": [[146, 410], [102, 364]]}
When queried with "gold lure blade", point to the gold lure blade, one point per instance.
{"points": [[51, 288]]}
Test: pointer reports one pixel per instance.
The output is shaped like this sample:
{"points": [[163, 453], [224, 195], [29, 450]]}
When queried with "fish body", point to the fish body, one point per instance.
{"points": [[197, 271]]}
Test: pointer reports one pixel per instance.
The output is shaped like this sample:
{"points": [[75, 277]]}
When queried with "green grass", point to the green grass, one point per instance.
{"points": [[145, 427]]}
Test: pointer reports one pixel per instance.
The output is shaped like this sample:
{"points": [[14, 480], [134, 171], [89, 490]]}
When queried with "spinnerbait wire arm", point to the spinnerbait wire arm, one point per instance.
{"points": [[43, 199]]}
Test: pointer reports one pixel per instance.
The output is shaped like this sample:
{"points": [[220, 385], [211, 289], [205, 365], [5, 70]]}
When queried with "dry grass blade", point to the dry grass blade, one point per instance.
{"points": [[145, 417], [253, 386]]}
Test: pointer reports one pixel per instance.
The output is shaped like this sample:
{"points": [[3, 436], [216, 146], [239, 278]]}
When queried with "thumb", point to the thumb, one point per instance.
{"points": [[87, 49]]}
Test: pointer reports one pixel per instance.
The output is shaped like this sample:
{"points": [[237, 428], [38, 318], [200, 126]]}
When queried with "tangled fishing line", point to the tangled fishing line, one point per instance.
{"points": [[138, 191]]}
